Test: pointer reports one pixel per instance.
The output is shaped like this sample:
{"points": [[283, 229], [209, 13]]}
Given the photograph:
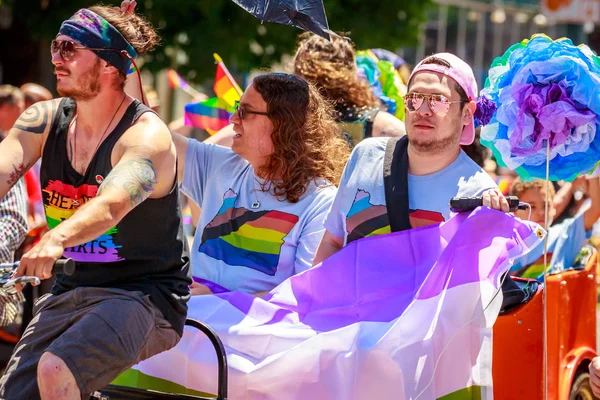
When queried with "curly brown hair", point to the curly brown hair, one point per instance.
{"points": [[331, 65], [136, 29], [519, 187], [308, 144]]}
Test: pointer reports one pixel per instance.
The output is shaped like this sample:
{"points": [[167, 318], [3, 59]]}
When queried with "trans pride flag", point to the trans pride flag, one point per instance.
{"points": [[406, 315]]}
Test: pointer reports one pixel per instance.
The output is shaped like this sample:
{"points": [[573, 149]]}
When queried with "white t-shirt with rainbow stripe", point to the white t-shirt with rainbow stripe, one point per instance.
{"points": [[360, 210], [241, 247]]}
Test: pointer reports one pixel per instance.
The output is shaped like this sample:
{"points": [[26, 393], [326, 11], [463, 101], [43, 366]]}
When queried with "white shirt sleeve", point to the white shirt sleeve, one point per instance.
{"points": [[335, 222], [202, 161], [313, 231]]}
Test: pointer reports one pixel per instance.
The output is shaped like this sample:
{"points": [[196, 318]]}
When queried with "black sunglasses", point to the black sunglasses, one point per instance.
{"points": [[242, 111], [67, 48]]}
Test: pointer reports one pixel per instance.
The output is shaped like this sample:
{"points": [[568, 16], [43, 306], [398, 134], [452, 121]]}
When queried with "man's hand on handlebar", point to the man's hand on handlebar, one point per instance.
{"points": [[40, 259], [494, 199]]}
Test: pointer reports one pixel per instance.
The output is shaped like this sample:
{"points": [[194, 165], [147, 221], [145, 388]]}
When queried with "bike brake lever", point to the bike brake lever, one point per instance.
{"points": [[22, 280]]}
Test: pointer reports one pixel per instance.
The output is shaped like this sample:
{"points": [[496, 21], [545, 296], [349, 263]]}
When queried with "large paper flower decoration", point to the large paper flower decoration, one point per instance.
{"points": [[544, 90]]}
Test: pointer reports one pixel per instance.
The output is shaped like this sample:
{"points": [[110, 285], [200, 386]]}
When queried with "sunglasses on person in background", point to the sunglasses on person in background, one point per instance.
{"points": [[67, 48], [438, 103], [242, 111]]}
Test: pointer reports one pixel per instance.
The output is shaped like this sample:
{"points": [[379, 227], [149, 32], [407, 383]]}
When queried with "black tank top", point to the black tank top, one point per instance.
{"points": [[147, 251]]}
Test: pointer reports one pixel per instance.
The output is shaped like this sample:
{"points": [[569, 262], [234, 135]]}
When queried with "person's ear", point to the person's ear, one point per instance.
{"points": [[108, 68], [468, 112]]}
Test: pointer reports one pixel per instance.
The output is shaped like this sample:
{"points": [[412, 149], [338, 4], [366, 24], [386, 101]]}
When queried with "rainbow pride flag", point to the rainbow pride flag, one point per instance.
{"points": [[176, 81], [225, 86], [212, 114]]}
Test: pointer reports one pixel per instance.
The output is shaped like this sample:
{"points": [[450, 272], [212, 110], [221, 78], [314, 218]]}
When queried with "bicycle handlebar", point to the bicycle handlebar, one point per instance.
{"points": [[461, 204], [63, 266]]}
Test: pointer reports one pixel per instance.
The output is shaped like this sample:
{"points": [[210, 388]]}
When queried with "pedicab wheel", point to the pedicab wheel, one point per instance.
{"points": [[581, 388]]}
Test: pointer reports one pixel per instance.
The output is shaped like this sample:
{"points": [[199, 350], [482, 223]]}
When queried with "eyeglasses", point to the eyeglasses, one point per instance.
{"points": [[67, 49], [438, 103], [242, 111]]}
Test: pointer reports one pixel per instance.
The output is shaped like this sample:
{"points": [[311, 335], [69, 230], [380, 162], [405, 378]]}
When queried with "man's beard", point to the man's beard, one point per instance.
{"points": [[87, 86], [435, 146]]}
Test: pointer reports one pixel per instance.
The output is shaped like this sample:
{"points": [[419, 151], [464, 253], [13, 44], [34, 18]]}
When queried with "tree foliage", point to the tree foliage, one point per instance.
{"points": [[192, 30]]}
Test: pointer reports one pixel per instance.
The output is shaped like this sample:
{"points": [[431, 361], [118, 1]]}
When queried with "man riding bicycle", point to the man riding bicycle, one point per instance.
{"points": [[108, 178]]}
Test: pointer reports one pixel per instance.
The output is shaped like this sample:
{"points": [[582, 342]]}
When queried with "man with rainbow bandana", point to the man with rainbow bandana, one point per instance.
{"points": [[110, 195]]}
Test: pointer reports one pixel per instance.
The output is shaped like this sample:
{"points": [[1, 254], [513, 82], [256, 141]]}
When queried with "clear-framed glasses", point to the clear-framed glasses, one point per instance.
{"points": [[242, 111], [438, 103]]}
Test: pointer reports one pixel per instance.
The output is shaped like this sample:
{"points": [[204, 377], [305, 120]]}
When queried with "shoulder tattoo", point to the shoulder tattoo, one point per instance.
{"points": [[36, 118]]}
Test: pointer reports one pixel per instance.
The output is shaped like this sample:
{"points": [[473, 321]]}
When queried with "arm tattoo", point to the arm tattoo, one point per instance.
{"points": [[16, 174], [137, 177], [34, 119]]}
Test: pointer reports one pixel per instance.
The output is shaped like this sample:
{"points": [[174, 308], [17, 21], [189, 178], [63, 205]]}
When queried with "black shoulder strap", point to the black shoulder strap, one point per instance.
{"points": [[369, 122], [395, 180]]}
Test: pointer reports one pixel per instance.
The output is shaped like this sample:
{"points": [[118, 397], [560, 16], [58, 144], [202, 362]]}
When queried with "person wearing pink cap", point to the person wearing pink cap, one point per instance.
{"points": [[440, 108]]}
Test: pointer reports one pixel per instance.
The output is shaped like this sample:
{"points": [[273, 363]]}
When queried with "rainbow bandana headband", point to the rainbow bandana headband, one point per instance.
{"points": [[91, 30]]}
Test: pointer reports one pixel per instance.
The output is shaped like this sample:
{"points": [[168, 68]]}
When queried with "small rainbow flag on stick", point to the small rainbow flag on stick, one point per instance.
{"points": [[225, 86], [214, 113], [211, 115], [177, 82]]}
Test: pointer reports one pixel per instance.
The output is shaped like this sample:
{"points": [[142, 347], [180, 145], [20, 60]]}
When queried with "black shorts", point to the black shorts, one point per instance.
{"points": [[97, 332]]}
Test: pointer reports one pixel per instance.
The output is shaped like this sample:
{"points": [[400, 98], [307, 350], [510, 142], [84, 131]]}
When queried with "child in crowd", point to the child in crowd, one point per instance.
{"points": [[566, 239]]}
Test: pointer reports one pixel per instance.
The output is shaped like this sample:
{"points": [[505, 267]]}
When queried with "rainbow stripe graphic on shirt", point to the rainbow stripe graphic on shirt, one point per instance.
{"points": [[420, 218], [241, 237], [60, 203], [365, 219]]}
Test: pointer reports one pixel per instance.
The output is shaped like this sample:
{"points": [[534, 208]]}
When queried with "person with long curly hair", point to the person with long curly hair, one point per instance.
{"points": [[331, 66], [264, 200]]}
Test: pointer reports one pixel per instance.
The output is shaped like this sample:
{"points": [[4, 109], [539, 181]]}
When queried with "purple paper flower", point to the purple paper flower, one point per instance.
{"points": [[485, 111]]}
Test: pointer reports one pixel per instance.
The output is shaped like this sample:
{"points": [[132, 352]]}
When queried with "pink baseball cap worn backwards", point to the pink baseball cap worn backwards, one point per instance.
{"points": [[460, 72]]}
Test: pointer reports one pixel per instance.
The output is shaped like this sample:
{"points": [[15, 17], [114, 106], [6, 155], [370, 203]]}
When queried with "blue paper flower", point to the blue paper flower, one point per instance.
{"points": [[546, 91]]}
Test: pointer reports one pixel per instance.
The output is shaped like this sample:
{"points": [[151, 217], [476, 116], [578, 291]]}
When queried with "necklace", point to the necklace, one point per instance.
{"points": [[256, 203], [75, 202]]}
